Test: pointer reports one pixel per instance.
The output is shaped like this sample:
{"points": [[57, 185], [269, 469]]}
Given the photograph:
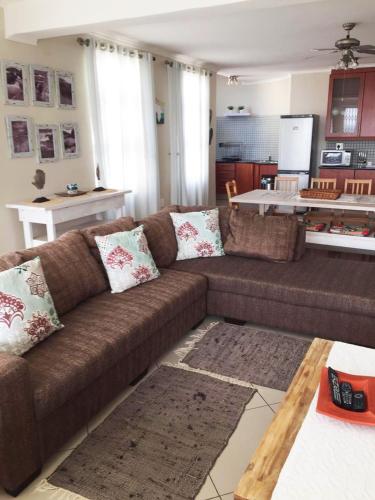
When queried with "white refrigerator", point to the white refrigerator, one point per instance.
{"points": [[296, 141]]}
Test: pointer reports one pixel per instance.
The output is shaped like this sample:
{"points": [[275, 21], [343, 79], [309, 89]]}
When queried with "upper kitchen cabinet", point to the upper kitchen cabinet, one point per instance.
{"points": [[351, 107]]}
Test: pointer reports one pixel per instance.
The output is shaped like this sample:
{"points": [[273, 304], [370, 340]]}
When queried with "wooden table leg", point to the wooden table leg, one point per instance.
{"points": [[261, 209]]}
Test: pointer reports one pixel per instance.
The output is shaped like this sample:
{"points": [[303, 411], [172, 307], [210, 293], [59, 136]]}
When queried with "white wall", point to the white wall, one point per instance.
{"points": [[17, 174], [309, 94], [264, 98]]}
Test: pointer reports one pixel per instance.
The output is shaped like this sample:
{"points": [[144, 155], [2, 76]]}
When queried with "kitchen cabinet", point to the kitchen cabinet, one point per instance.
{"points": [[347, 173], [246, 175], [351, 104]]}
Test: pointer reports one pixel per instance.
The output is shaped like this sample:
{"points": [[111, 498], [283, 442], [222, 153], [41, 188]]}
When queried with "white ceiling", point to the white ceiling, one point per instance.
{"points": [[261, 39]]}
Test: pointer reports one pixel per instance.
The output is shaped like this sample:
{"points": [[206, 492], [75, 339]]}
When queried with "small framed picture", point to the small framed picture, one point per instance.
{"points": [[19, 131], [69, 140], [41, 86], [47, 143], [65, 90], [14, 77]]}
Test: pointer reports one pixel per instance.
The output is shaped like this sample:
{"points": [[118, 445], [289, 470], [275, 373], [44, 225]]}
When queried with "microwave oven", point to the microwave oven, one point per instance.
{"points": [[335, 158]]}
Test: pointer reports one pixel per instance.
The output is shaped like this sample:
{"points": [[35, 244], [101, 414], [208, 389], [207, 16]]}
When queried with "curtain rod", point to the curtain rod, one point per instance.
{"points": [[111, 46], [104, 45], [189, 67]]}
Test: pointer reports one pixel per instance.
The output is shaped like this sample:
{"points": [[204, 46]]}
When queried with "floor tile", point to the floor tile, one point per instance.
{"points": [[228, 496], [275, 407], [255, 402], [271, 396], [208, 490], [229, 467]]}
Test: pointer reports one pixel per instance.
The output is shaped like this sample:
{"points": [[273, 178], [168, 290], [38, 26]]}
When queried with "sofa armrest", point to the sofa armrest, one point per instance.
{"points": [[19, 446]]}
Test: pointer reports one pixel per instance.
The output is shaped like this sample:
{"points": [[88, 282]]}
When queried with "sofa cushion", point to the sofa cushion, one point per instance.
{"points": [[198, 234], [320, 282], [115, 226], [71, 272], [103, 330], [27, 312], [265, 237], [161, 238], [9, 260], [127, 259]]}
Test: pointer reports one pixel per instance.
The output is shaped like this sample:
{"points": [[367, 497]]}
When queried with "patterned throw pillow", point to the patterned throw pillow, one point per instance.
{"points": [[198, 234], [27, 311], [127, 259]]}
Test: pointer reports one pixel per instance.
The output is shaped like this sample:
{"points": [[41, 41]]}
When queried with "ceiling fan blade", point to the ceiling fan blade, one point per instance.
{"points": [[366, 49], [332, 49]]}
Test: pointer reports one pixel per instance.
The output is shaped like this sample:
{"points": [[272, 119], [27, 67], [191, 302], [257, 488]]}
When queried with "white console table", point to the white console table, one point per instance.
{"points": [[63, 209]]}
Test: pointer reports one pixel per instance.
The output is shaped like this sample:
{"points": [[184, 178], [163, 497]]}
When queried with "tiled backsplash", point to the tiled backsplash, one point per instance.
{"points": [[367, 147], [258, 136]]}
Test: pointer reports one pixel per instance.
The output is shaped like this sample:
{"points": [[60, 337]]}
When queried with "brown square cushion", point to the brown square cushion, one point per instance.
{"points": [[265, 237], [115, 226], [160, 235], [71, 272], [103, 330]]}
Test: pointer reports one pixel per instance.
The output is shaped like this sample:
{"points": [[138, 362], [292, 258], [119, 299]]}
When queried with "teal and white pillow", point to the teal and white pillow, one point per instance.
{"points": [[127, 259], [27, 311], [198, 234]]}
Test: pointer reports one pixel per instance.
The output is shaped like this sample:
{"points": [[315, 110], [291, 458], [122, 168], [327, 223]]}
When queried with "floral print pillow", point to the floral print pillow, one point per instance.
{"points": [[198, 234], [27, 311], [127, 259]]}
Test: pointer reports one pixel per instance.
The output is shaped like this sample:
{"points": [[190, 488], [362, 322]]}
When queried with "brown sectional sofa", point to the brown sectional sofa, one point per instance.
{"points": [[111, 339]]}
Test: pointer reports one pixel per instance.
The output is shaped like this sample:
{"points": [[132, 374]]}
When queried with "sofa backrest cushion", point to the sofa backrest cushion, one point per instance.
{"points": [[265, 237], [115, 226], [159, 231], [72, 274], [9, 260]]}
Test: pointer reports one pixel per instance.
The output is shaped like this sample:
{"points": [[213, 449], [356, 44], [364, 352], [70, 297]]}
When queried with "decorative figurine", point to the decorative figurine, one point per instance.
{"points": [[39, 182], [72, 188], [99, 188]]}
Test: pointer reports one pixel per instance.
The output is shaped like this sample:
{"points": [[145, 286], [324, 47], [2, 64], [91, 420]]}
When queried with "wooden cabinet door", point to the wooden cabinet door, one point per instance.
{"points": [[339, 174], [345, 102], [224, 172], [368, 108], [244, 177], [366, 174], [263, 169]]}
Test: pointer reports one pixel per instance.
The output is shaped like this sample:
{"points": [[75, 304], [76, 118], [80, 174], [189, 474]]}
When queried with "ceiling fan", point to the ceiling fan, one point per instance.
{"points": [[349, 48]]}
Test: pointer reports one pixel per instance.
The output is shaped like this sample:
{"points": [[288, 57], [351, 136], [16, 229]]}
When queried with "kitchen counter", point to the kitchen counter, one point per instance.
{"points": [[352, 167]]}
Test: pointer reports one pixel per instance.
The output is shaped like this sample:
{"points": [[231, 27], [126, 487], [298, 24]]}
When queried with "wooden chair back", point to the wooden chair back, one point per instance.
{"points": [[319, 183], [231, 187], [286, 183], [358, 186]]}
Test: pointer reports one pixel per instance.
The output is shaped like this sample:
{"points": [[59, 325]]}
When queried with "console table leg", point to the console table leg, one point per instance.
{"points": [[28, 234], [51, 231], [261, 209]]}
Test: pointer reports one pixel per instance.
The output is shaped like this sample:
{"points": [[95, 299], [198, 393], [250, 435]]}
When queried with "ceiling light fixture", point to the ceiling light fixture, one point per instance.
{"points": [[347, 60], [233, 80]]}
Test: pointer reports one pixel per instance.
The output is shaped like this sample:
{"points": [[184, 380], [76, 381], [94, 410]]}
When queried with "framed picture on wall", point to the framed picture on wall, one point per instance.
{"points": [[41, 85], [19, 131], [65, 89], [69, 134], [47, 143], [14, 82]]}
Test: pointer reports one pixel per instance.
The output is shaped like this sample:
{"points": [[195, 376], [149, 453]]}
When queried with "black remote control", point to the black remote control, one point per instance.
{"points": [[346, 395], [359, 401], [335, 387]]}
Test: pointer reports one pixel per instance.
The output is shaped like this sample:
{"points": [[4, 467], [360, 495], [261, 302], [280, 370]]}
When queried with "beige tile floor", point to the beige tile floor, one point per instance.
{"points": [[226, 472]]}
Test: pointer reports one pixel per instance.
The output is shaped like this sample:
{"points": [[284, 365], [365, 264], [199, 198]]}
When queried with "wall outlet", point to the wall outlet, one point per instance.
{"points": [[339, 146]]}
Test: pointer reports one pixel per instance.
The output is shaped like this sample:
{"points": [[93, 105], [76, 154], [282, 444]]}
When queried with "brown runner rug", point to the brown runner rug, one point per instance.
{"points": [[160, 443], [259, 357]]}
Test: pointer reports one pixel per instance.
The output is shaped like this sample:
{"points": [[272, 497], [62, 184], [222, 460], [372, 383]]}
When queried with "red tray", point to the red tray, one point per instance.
{"points": [[359, 383]]}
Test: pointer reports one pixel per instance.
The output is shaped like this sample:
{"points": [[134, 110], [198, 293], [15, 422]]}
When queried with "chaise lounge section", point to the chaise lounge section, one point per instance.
{"points": [[109, 340]]}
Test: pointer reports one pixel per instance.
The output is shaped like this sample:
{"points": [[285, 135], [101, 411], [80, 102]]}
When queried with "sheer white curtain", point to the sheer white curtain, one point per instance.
{"points": [[189, 98], [123, 125]]}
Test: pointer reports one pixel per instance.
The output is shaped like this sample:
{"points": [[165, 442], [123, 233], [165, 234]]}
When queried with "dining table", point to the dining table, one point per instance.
{"points": [[357, 203]]}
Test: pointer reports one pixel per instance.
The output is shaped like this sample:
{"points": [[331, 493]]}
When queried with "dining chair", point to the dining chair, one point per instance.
{"points": [[319, 183], [231, 187], [357, 186], [286, 183]]}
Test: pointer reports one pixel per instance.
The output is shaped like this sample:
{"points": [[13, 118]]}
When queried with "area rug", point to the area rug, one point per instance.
{"points": [[255, 356], [160, 443]]}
